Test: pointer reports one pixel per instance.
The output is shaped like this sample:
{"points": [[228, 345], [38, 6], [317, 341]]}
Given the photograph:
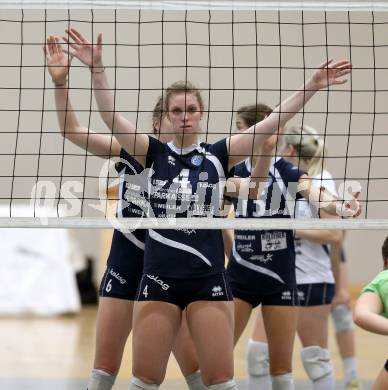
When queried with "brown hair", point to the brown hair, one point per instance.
{"points": [[183, 87], [254, 113], [157, 113], [384, 250], [309, 146]]}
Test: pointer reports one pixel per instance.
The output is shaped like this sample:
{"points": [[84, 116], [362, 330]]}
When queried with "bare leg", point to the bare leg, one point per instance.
{"points": [[258, 358], [280, 326], [313, 333], [211, 326], [242, 312], [155, 326], [112, 314], [381, 382], [186, 356]]}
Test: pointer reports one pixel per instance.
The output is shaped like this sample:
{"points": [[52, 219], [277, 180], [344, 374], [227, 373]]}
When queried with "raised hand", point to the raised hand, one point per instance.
{"points": [[58, 61], [330, 73], [85, 51], [350, 208]]}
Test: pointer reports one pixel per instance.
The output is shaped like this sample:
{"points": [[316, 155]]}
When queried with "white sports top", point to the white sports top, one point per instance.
{"points": [[313, 263]]}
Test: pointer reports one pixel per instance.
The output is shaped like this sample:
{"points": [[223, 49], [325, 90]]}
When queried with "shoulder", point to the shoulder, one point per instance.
{"points": [[288, 171]]}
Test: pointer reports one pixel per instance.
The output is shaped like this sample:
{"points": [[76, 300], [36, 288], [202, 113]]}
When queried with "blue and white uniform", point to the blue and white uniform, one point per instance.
{"points": [[125, 262], [261, 269], [182, 266], [313, 265]]}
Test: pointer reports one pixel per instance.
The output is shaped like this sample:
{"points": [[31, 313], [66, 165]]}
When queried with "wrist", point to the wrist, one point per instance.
{"points": [[95, 69], [311, 85]]}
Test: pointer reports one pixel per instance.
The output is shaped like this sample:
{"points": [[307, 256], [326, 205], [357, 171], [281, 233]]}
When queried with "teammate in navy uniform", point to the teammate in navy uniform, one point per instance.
{"points": [[125, 262], [157, 318], [262, 268]]}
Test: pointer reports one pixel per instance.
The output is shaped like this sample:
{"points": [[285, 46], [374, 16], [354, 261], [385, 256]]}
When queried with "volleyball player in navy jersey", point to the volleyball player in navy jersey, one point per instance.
{"points": [[262, 268], [184, 268], [125, 262]]}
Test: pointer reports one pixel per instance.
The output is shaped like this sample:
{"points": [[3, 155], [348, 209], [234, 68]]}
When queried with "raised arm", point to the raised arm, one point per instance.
{"points": [[125, 132], [252, 187], [322, 236], [58, 64], [242, 145], [322, 199]]}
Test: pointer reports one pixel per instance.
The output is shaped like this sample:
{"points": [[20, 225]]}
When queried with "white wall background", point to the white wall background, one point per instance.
{"points": [[261, 56]]}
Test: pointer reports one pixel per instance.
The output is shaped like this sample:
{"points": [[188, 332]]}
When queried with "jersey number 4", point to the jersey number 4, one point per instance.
{"points": [[145, 291]]}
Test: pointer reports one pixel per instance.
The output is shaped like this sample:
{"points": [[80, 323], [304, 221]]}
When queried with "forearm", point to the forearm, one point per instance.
{"points": [[282, 114], [104, 96], [325, 236], [335, 258], [371, 322], [292, 105], [67, 119]]}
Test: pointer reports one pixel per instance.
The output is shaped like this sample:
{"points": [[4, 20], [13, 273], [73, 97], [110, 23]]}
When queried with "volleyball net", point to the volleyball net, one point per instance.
{"points": [[237, 53]]}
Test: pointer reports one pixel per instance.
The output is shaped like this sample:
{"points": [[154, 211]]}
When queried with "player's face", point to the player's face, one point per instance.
{"points": [[241, 125], [184, 113]]}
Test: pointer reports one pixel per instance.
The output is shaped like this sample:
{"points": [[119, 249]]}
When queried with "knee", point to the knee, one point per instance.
{"points": [[148, 377], [257, 358], [316, 362], [342, 317]]}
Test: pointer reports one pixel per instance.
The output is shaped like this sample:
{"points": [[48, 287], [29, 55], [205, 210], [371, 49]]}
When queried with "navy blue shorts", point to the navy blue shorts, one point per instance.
{"points": [[183, 291], [283, 297], [316, 294], [124, 267]]}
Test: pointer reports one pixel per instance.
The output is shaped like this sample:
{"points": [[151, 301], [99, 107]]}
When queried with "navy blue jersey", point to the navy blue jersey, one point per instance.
{"points": [[127, 249], [185, 183], [269, 254]]}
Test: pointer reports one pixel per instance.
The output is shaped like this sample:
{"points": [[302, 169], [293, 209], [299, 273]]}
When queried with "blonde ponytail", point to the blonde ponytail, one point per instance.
{"points": [[309, 146]]}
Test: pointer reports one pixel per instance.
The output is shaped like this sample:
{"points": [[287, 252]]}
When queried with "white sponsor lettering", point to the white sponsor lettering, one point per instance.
{"points": [[156, 279]]}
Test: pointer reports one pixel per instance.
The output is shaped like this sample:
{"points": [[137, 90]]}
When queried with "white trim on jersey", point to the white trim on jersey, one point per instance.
{"points": [[183, 151], [255, 267], [128, 235], [177, 245]]}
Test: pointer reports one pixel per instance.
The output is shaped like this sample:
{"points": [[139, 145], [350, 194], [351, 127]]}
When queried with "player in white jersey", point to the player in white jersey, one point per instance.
{"points": [[125, 263], [209, 312], [316, 283]]}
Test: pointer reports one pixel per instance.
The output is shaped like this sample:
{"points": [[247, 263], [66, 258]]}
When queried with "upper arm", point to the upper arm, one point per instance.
{"points": [[98, 144], [368, 302], [135, 143], [242, 145]]}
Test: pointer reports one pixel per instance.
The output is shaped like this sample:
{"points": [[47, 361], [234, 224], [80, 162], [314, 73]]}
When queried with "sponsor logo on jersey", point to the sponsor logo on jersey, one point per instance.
{"points": [[273, 241], [301, 295], [118, 276], [189, 232], [156, 279], [246, 248], [286, 296], [171, 160], [197, 160], [262, 258], [217, 291]]}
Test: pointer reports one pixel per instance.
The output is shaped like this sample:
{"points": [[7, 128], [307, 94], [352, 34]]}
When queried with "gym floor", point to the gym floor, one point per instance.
{"points": [[47, 353]]}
